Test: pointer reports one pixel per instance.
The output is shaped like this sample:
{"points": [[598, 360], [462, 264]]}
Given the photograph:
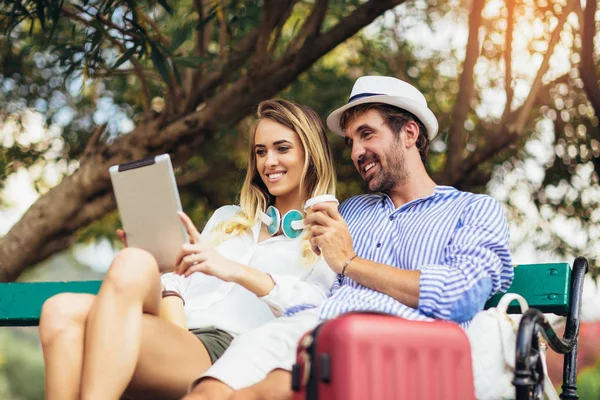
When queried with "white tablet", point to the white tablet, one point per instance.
{"points": [[148, 201]]}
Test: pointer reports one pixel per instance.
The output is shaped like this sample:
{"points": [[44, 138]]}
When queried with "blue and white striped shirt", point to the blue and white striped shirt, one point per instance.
{"points": [[458, 240]]}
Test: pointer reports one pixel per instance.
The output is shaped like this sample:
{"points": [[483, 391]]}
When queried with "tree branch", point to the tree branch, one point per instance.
{"points": [[587, 68], [507, 134], [165, 41], [195, 76], [67, 10], [497, 140], [237, 57], [311, 27], [510, 22], [99, 206], [347, 27], [275, 13], [456, 135], [139, 72], [74, 12], [223, 28], [277, 35], [89, 147], [246, 92], [52, 247], [522, 116]]}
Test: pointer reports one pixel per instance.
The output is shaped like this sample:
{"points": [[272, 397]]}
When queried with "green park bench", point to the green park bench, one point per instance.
{"points": [[548, 288]]}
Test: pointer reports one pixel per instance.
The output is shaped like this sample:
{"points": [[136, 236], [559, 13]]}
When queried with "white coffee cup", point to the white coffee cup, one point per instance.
{"points": [[318, 199]]}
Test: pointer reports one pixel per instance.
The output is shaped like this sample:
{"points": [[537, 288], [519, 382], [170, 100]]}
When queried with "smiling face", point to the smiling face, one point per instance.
{"points": [[377, 152], [279, 156]]}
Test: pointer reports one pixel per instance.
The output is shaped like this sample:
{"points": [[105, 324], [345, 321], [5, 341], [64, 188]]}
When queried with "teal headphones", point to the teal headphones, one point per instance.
{"points": [[292, 223]]}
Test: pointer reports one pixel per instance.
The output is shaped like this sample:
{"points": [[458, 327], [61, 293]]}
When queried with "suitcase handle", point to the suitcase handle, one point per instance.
{"points": [[301, 369]]}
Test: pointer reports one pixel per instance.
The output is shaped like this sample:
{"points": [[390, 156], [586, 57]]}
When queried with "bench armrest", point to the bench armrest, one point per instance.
{"points": [[529, 377], [21, 302]]}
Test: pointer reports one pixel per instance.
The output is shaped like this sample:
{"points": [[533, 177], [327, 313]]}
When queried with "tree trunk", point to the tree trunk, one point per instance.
{"points": [[48, 226]]}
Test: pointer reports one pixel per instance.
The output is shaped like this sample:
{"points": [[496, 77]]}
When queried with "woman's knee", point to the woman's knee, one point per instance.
{"points": [[210, 389], [132, 268], [62, 314]]}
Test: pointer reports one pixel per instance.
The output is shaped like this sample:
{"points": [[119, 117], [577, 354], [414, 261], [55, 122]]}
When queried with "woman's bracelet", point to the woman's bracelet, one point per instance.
{"points": [[168, 293], [346, 264]]}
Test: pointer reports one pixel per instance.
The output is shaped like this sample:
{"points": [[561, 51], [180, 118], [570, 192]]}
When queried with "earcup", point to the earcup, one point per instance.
{"points": [[292, 224], [275, 216]]}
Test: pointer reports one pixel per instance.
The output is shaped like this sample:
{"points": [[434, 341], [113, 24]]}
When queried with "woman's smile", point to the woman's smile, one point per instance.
{"points": [[274, 177]]}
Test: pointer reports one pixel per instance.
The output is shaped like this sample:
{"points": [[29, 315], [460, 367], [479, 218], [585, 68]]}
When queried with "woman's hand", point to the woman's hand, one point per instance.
{"points": [[200, 256], [122, 237]]}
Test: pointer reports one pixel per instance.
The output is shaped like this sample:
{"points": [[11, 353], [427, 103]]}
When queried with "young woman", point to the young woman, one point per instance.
{"points": [[236, 275]]}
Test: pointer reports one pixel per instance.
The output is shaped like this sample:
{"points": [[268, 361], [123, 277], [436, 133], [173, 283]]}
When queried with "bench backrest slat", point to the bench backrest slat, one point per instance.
{"points": [[21, 303], [546, 287]]}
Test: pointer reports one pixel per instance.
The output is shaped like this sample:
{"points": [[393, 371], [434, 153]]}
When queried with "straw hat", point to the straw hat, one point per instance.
{"points": [[387, 90]]}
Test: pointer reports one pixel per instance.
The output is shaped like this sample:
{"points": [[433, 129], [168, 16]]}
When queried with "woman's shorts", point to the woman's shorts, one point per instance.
{"points": [[215, 340]]}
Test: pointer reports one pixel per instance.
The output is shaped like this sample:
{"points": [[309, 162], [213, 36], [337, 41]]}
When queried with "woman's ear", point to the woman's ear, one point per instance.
{"points": [[411, 133]]}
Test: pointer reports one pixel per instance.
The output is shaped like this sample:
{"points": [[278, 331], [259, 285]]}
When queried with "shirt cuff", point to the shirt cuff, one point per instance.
{"points": [[458, 303], [170, 282], [431, 289], [271, 298]]}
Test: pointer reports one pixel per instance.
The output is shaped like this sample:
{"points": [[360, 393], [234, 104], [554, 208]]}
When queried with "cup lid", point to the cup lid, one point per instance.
{"points": [[320, 199]]}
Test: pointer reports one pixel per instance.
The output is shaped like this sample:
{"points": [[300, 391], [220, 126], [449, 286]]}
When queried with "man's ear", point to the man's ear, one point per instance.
{"points": [[411, 133]]}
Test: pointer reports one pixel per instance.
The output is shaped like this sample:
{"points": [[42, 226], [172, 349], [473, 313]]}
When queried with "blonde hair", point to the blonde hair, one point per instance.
{"points": [[318, 174]]}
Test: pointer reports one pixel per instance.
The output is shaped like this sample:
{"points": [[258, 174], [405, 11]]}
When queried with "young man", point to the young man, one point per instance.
{"points": [[414, 249]]}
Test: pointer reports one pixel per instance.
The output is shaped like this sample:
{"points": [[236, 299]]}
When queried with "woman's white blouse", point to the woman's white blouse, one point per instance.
{"points": [[210, 301]]}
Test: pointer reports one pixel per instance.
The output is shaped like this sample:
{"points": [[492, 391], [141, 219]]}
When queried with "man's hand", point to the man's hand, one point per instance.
{"points": [[329, 235], [200, 256]]}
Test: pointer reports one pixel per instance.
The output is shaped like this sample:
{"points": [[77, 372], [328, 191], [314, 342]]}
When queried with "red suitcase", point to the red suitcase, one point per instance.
{"points": [[381, 357]]}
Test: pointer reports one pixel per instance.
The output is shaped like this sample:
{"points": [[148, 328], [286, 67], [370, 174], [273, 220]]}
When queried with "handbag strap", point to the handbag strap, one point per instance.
{"points": [[549, 388], [509, 298]]}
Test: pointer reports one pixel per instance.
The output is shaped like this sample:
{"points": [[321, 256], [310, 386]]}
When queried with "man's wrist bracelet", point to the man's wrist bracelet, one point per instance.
{"points": [[346, 264]]}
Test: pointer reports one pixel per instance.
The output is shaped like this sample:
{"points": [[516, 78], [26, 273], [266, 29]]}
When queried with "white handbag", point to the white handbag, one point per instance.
{"points": [[492, 335]]}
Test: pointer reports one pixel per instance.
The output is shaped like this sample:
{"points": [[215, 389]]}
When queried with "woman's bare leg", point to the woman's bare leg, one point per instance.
{"points": [[114, 325], [210, 389], [62, 325], [170, 358]]}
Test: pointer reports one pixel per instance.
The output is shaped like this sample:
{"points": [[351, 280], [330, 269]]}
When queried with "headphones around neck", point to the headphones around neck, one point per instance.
{"points": [[292, 223]]}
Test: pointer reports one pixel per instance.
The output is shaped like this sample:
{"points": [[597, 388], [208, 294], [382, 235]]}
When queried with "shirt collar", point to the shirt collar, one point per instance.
{"points": [[390, 204]]}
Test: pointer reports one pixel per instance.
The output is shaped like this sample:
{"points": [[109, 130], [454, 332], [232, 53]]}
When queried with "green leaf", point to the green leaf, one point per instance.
{"points": [[190, 62], [41, 15], [159, 62], [125, 57], [181, 34], [55, 15]]}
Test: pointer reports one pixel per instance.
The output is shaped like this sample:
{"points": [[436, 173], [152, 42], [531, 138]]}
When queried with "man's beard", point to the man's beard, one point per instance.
{"points": [[394, 174]]}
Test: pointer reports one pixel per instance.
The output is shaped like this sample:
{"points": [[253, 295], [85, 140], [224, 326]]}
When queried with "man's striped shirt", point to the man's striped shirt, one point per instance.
{"points": [[458, 240]]}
